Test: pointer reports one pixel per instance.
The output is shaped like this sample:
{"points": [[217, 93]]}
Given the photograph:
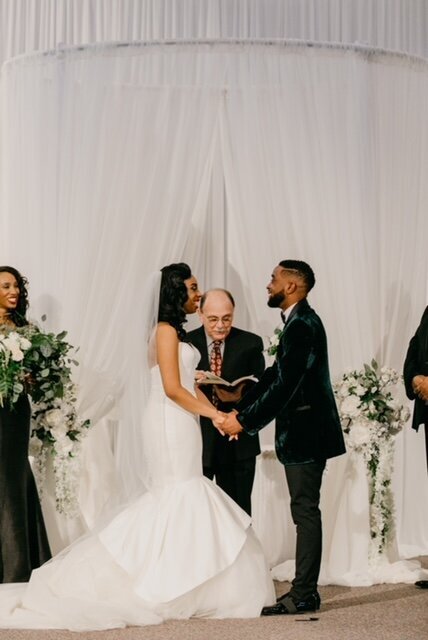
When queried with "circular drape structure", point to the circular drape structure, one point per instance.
{"points": [[119, 158]]}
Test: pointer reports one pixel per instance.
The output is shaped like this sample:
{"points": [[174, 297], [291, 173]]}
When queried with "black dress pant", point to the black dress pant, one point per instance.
{"points": [[236, 479], [304, 484]]}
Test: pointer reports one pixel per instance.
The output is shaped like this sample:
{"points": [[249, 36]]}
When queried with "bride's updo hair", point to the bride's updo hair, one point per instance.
{"points": [[18, 315], [173, 296]]}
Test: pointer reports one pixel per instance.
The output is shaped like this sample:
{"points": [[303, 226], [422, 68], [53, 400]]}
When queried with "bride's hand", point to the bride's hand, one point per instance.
{"points": [[218, 420], [199, 376]]}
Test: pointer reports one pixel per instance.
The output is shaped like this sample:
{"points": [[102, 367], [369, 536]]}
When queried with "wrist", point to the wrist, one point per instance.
{"points": [[238, 420]]}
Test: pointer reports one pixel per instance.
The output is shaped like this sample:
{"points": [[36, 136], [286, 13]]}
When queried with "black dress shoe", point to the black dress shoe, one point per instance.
{"points": [[288, 606], [422, 584], [315, 594]]}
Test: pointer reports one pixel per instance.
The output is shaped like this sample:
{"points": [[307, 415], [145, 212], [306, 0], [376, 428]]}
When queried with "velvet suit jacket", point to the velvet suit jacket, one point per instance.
{"points": [[297, 392], [243, 356], [416, 363]]}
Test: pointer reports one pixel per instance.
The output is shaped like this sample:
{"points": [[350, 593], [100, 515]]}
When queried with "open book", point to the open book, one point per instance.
{"points": [[211, 378]]}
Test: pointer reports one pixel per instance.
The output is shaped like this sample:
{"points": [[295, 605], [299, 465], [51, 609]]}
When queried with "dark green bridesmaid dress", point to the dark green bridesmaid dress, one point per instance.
{"points": [[24, 544]]}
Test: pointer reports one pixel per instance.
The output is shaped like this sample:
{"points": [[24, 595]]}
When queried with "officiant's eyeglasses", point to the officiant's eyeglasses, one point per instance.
{"points": [[213, 320]]}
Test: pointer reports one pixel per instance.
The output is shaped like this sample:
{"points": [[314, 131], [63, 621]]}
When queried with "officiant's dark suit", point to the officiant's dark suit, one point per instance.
{"points": [[415, 375], [296, 392], [231, 463]]}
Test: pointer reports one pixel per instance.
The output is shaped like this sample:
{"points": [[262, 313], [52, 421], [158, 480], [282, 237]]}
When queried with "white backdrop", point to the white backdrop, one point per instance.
{"points": [[117, 160]]}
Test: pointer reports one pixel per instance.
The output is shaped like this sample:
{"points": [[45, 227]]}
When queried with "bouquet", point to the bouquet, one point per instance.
{"points": [[371, 418], [40, 363]]}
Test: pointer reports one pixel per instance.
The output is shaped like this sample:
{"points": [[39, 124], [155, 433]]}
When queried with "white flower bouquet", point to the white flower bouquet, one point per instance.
{"points": [[371, 417], [40, 363], [13, 346]]}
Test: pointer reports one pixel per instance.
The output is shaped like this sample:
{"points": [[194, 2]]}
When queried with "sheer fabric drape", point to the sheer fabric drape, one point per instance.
{"points": [[106, 173], [117, 160], [337, 179]]}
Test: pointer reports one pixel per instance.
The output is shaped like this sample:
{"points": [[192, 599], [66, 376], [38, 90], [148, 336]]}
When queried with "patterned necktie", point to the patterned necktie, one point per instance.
{"points": [[215, 358], [215, 366]]}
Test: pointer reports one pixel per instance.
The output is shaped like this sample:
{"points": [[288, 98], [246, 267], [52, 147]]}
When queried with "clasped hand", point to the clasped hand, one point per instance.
{"points": [[228, 424], [420, 387]]}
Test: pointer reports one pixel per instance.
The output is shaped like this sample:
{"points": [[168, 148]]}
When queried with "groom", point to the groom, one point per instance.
{"points": [[297, 392]]}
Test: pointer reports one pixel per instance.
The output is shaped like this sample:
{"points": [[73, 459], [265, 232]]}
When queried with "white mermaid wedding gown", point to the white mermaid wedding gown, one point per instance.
{"points": [[182, 549]]}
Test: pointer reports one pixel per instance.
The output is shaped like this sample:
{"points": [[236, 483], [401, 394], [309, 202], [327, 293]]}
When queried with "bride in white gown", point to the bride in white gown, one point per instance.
{"points": [[183, 548]]}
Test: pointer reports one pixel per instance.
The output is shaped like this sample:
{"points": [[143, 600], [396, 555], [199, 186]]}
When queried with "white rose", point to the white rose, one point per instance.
{"points": [[349, 407], [11, 342], [60, 430], [53, 418], [63, 446], [24, 343], [358, 436], [17, 355], [341, 390], [34, 446], [359, 390]]}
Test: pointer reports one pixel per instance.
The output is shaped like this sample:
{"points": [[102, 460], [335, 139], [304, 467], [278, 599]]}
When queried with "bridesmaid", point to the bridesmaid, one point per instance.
{"points": [[23, 541]]}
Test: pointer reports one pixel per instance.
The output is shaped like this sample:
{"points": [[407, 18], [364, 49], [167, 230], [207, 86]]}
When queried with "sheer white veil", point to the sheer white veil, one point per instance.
{"points": [[129, 446]]}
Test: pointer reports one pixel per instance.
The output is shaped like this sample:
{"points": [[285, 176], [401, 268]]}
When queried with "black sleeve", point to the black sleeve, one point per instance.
{"points": [[294, 358], [412, 363]]}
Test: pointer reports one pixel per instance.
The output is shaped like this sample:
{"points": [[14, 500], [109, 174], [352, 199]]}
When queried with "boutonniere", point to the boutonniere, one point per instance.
{"points": [[274, 341]]}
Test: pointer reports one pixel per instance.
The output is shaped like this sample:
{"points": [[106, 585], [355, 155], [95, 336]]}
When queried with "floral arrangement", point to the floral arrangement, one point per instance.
{"points": [[274, 340], [371, 417], [13, 346], [40, 363]]}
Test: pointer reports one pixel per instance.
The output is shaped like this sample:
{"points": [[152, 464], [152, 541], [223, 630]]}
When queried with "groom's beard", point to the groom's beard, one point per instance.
{"points": [[276, 300]]}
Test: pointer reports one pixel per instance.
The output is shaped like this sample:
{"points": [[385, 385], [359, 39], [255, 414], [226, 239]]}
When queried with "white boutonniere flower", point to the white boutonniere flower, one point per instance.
{"points": [[274, 341]]}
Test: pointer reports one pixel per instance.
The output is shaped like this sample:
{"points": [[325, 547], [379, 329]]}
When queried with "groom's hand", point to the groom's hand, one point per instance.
{"points": [[231, 426], [420, 387]]}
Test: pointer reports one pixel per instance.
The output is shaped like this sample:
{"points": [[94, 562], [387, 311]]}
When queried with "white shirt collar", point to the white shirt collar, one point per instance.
{"points": [[286, 313], [210, 342]]}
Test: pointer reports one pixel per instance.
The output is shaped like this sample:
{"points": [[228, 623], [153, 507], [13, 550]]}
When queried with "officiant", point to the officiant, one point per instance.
{"points": [[230, 353]]}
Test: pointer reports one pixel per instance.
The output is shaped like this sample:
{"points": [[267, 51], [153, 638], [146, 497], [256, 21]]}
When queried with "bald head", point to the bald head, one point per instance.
{"points": [[216, 309]]}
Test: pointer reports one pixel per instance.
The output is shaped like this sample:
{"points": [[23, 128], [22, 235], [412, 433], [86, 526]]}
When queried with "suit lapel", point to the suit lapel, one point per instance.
{"points": [[201, 345], [300, 308], [229, 361]]}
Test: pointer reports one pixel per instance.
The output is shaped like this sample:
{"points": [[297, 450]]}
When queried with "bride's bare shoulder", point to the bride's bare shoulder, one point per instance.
{"points": [[165, 331]]}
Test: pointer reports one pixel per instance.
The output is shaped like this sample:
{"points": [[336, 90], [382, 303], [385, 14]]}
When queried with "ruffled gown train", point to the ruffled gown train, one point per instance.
{"points": [[182, 549]]}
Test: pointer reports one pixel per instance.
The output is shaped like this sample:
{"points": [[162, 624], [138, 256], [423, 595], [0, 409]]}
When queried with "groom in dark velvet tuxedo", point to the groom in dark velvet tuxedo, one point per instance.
{"points": [[296, 391], [233, 463]]}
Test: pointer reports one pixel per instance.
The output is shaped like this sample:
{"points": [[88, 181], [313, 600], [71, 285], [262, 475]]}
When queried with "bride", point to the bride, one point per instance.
{"points": [[182, 548]]}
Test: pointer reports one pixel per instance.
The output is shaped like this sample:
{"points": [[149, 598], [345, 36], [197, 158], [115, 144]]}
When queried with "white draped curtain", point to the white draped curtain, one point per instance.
{"points": [[37, 25], [117, 160]]}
